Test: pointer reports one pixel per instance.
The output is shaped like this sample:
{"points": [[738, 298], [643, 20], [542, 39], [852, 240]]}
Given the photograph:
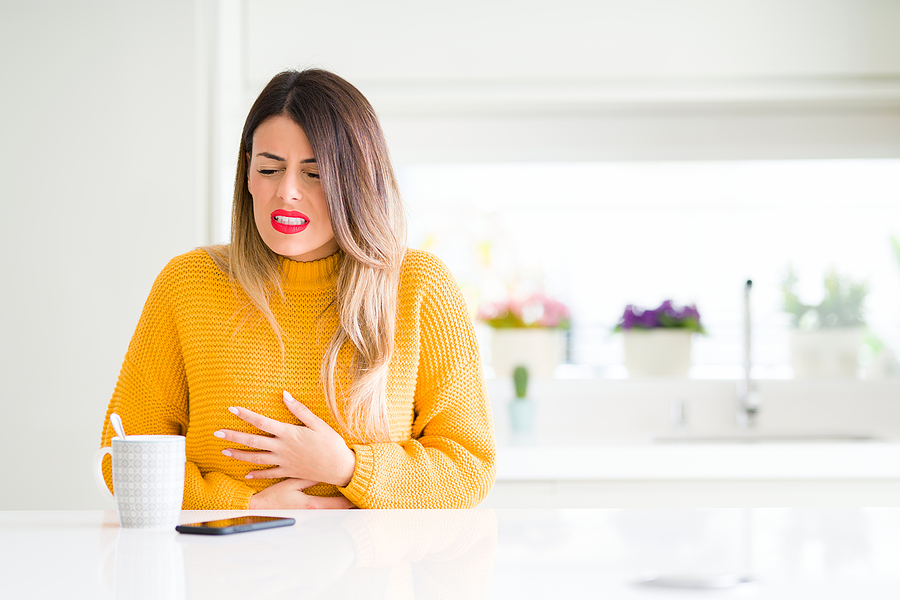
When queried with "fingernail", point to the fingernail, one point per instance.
{"points": [[248, 476], [226, 452], [219, 434], [288, 397], [233, 410]]}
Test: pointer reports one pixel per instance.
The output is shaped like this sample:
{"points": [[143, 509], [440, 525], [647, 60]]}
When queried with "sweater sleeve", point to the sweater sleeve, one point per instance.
{"points": [[152, 396], [449, 460]]}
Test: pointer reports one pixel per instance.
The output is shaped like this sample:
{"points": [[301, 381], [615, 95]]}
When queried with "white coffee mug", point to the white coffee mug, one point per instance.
{"points": [[148, 478]]}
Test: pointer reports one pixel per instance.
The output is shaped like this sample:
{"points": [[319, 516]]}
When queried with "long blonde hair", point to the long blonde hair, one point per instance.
{"points": [[369, 226]]}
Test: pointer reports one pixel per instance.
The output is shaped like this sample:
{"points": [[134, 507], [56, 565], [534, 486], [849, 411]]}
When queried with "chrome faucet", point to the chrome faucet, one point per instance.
{"points": [[749, 398]]}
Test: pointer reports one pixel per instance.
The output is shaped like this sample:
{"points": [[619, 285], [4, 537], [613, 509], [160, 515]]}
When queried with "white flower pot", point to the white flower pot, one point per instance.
{"points": [[657, 352], [521, 415], [826, 353], [539, 349]]}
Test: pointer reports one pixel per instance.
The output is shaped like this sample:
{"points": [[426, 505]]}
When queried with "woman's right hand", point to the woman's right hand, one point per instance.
{"points": [[288, 494]]}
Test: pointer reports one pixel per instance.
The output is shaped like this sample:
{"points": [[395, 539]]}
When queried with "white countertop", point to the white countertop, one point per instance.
{"points": [[790, 553]]}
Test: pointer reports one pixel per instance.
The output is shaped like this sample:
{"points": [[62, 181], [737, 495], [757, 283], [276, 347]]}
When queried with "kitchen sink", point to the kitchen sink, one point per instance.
{"points": [[757, 437]]}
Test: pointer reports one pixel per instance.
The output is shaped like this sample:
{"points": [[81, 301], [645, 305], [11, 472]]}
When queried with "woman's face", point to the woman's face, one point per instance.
{"points": [[288, 199]]}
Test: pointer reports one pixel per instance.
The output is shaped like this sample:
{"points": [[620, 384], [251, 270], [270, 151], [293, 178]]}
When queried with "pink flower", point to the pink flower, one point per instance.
{"points": [[537, 310]]}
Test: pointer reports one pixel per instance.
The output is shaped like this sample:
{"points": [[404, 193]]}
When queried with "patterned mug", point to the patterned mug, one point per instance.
{"points": [[148, 479]]}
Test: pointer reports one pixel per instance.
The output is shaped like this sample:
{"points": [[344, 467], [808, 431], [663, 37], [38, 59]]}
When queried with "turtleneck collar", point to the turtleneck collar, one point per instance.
{"points": [[316, 274]]}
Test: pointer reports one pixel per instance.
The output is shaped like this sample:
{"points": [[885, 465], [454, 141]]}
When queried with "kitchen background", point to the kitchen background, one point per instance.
{"points": [[604, 153]]}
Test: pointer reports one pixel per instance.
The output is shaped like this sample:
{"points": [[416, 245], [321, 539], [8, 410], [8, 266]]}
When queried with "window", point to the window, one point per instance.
{"points": [[599, 236]]}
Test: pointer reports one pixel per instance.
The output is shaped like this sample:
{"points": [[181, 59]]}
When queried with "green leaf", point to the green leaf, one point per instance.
{"points": [[841, 305]]}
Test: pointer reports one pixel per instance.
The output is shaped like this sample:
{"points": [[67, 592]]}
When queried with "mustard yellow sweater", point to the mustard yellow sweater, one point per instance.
{"points": [[192, 356]]}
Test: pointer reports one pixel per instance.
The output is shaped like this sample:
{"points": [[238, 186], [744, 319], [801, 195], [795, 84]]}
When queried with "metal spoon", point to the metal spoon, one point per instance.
{"points": [[116, 421]]}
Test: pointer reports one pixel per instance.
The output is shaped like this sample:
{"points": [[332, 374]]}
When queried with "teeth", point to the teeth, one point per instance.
{"points": [[290, 220]]}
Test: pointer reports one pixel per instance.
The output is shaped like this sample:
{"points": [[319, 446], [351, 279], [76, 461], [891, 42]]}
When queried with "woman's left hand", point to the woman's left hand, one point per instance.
{"points": [[312, 451]]}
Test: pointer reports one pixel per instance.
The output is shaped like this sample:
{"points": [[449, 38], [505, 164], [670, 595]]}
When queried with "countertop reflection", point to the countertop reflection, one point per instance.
{"points": [[503, 553], [354, 554]]}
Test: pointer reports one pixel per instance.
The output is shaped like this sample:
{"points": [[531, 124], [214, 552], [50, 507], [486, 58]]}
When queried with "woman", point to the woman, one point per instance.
{"points": [[315, 298]]}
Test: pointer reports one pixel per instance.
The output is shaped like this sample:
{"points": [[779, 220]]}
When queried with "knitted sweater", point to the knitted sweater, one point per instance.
{"points": [[195, 352]]}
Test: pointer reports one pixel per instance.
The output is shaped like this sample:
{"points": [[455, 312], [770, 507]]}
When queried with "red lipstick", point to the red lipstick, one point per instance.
{"points": [[289, 221]]}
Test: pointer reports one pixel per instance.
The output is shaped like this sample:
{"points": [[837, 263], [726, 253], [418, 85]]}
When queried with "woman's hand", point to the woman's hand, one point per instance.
{"points": [[312, 451], [288, 494]]}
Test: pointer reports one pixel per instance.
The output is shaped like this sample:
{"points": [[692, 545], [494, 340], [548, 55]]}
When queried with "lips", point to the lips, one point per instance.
{"points": [[289, 221]]}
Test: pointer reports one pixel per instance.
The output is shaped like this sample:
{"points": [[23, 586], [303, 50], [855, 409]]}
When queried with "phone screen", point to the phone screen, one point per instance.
{"points": [[235, 525]]}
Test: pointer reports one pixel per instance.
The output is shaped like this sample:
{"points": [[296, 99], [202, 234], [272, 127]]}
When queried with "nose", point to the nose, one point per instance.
{"points": [[289, 188]]}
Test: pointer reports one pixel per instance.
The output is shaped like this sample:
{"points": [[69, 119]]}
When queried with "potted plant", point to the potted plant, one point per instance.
{"points": [[658, 341], [521, 409], [826, 337], [530, 331]]}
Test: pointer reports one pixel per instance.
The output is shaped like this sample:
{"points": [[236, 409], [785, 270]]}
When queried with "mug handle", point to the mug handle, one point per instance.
{"points": [[98, 470]]}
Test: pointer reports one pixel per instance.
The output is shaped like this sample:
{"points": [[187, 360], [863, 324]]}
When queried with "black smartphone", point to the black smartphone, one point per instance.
{"points": [[236, 525]]}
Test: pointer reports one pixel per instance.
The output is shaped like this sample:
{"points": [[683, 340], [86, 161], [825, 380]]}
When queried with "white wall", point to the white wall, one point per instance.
{"points": [[103, 179], [407, 41]]}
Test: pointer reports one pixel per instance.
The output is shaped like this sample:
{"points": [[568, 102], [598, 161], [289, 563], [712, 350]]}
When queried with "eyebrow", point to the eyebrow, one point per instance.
{"points": [[278, 158]]}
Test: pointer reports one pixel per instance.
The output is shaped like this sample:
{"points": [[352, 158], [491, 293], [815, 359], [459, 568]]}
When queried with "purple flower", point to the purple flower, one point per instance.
{"points": [[667, 315], [648, 319], [629, 318]]}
